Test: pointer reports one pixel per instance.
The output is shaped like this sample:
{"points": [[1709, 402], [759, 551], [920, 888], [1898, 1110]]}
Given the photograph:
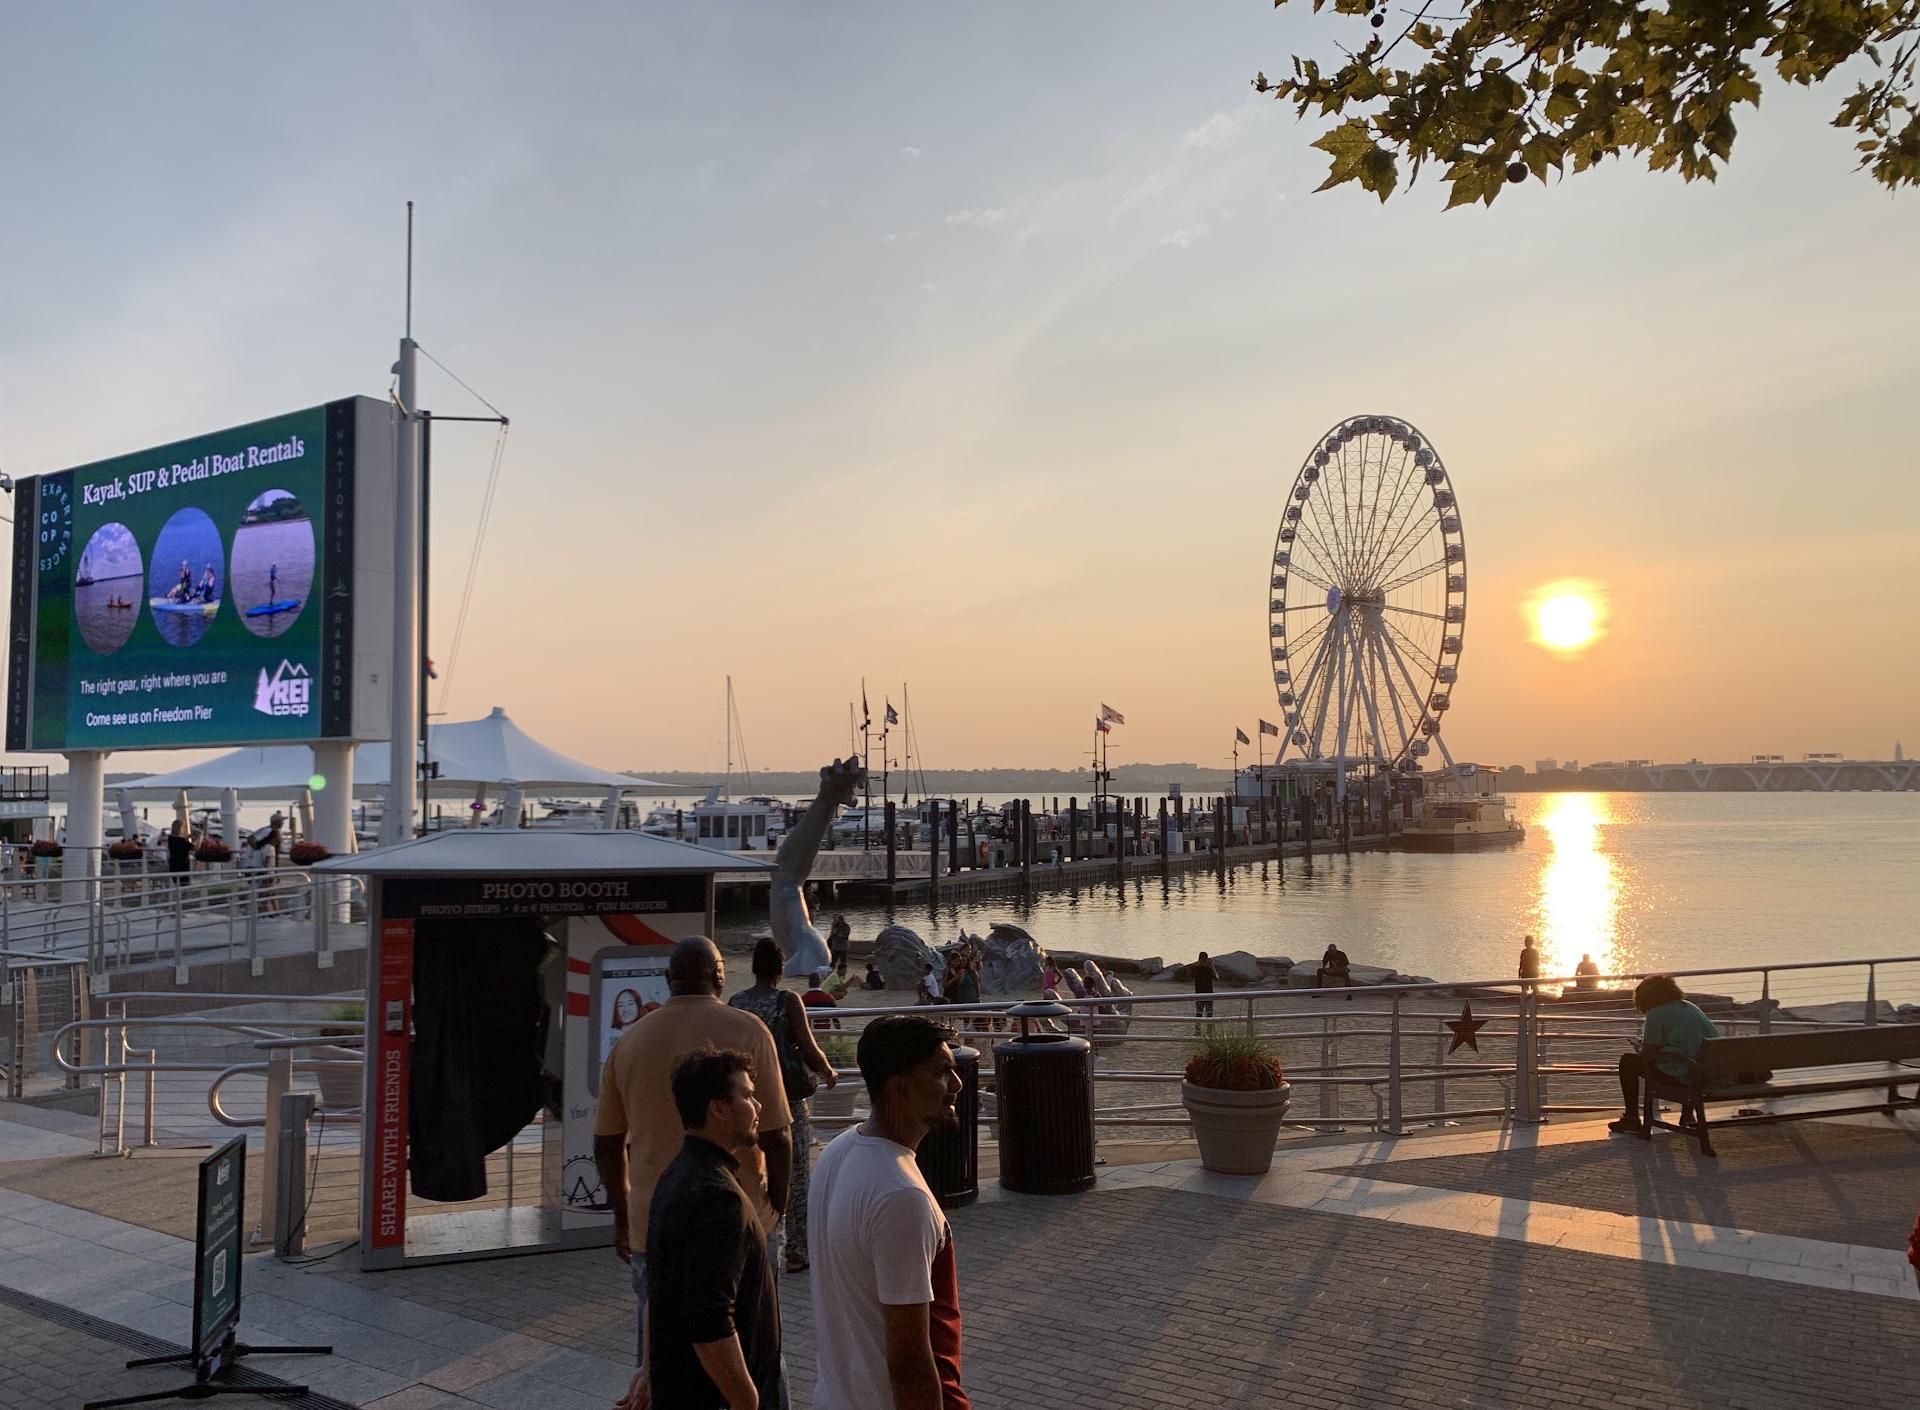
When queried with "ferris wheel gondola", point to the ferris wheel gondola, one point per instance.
{"points": [[1368, 600]]}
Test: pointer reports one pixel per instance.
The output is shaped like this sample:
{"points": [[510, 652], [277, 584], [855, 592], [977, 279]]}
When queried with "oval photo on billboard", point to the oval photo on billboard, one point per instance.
{"points": [[106, 588], [184, 581], [272, 563]]}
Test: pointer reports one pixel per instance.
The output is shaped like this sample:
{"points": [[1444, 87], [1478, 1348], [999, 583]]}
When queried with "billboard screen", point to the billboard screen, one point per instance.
{"points": [[208, 592]]}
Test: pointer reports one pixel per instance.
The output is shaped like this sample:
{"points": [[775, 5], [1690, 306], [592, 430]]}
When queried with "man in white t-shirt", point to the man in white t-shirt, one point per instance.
{"points": [[886, 1293]]}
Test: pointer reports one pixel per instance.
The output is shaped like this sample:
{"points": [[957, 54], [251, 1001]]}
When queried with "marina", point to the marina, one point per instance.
{"points": [[1327, 821]]}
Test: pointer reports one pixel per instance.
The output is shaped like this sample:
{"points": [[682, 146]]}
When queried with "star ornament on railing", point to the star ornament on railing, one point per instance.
{"points": [[1464, 1027]]}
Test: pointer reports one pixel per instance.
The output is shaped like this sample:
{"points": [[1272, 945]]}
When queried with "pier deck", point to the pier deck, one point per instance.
{"points": [[1471, 1268]]}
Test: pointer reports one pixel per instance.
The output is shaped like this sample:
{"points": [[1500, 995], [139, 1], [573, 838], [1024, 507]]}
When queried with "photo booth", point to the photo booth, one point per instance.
{"points": [[504, 966]]}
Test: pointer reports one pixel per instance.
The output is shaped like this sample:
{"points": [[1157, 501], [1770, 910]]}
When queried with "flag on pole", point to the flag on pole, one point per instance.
{"points": [[1240, 736], [1101, 725], [1266, 728], [866, 713], [893, 715], [1111, 716]]}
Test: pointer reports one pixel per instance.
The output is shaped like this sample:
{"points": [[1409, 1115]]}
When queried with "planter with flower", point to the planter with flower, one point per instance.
{"points": [[213, 852], [841, 1050], [305, 854], [340, 1084], [47, 848], [1236, 1098], [125, 850]]}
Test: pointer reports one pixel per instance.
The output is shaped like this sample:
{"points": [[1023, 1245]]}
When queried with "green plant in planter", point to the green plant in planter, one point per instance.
{"points": [[1235, 1062], [842, 1049], [1236, 1100], [344, 1021]]}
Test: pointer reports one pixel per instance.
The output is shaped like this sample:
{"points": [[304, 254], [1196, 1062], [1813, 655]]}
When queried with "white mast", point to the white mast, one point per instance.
{"points": [[396, 823]]}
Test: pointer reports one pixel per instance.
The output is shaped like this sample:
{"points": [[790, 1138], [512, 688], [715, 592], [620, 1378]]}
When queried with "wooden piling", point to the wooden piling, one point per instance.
{"points": [[1073, 829], [893, 844], [933, 855], [1026, 843]]}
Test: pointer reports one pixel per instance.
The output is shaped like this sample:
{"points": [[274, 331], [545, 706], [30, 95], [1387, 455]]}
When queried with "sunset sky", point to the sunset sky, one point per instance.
{"points": [[977, 347]]}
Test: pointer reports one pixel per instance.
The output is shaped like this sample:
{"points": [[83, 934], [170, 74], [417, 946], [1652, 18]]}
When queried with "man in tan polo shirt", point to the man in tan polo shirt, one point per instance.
{"points": [[637, 1116]]}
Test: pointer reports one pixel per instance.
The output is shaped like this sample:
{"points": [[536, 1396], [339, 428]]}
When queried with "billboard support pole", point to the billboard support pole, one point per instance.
{"points": [[86, 801], [396, 822]]}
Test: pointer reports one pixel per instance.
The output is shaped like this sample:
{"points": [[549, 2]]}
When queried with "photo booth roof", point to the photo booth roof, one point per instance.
{"points": [[526, 851]]}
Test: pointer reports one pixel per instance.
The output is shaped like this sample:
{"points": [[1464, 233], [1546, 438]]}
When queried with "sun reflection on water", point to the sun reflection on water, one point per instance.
{"points": [[1579, 889]]}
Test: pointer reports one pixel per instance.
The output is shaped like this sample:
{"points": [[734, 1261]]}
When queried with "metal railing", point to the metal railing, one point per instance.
{"points": [[121, 1061], [143, 914], [1537, 1019]]}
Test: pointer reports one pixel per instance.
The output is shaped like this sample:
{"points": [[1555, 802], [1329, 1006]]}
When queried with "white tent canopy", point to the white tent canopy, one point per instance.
{"points": [[469, 754]]}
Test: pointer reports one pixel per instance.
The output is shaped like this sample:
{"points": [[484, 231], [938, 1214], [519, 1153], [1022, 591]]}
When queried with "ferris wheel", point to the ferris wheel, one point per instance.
{"points": [[1369, 601]]}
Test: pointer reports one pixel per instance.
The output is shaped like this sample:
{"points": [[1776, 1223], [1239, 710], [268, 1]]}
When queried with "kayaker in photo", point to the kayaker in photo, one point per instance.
{"points": [[209, 586], [182, 590]]}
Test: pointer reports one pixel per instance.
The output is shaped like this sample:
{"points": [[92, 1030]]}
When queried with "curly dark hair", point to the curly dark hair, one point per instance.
{"points": [[1655, 990]]}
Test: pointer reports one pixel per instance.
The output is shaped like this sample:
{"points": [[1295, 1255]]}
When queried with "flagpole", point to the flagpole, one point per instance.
{"points": [[866, 770]]}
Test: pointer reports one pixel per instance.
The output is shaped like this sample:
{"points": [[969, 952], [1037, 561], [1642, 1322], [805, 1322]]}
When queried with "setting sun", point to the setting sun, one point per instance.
{"points": [[1566, 616]]}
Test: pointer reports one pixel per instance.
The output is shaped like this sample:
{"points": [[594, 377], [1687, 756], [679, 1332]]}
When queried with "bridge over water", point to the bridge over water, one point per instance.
{"points": [[1831, 776]]}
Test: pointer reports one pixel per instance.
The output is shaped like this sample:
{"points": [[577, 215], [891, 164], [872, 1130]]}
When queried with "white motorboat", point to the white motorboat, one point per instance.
{"points": [[1460, 813]]}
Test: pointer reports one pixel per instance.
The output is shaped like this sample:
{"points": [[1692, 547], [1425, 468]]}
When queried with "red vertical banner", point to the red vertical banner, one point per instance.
{"points": [[393, 1056]]}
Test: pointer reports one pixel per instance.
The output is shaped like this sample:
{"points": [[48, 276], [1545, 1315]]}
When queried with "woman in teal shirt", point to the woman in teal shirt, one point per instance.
{"points": [[1670, 1040]]}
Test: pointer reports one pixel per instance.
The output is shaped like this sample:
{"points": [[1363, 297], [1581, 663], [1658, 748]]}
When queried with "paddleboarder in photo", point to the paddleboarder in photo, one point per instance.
{"points": [[273, 583]]}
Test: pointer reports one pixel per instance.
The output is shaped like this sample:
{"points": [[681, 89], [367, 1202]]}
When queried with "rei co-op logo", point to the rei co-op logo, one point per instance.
{"points": [[285, 692]]}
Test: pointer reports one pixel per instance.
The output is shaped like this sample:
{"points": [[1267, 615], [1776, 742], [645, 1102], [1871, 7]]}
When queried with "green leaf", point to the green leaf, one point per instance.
{"points": [[1348, 145]]}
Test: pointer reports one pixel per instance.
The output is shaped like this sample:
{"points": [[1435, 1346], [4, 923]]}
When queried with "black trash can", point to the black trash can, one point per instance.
{"points": [[949, 1157], [1045, 1099]]}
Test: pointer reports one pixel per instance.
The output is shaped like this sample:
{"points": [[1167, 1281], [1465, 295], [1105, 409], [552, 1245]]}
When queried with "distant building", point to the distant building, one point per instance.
{"points": [[1572, 766], [1611, 764], [1639, 763], [1545, 766], [1517, 770], [1899, 754], [1769, 758]]}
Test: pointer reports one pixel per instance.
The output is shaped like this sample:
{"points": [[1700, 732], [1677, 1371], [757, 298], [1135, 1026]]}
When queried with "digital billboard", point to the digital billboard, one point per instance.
{"points": [[235, 588]]}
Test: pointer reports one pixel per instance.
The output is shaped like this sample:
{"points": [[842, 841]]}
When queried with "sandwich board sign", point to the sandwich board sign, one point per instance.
{"points": [[216, 1256]]}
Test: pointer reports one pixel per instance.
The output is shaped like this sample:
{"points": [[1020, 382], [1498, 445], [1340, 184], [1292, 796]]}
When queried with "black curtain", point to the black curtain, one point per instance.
{"points": [[479, 1021]]}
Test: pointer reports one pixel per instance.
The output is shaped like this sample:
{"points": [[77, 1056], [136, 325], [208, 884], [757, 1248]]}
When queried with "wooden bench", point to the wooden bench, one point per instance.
{"points": [[1723, 1060]]}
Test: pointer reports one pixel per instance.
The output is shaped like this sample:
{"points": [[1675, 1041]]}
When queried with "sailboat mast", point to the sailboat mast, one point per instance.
{"points": [[728, 791]]}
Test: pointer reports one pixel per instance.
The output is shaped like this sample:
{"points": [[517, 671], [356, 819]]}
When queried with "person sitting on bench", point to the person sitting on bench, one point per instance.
{"points": [[1670, 1040], [1336, 968]]}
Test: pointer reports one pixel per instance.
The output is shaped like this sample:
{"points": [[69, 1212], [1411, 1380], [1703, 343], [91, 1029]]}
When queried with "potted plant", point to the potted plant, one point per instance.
{"points": [[340, 1087], [213, 851], [125, 850], [47, 847], [1236, 1098], [304, 853], [841, 1050]]}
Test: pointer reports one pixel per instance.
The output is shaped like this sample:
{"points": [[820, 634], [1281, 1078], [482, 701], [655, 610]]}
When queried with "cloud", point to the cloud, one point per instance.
{"points": [[896, 235], [912, 154], [1186, 235], [1215, 130], [979, 219]]}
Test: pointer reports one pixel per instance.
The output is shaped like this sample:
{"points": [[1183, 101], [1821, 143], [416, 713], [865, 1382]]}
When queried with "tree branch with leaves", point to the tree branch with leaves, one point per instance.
{"points": [[1515, 88]]}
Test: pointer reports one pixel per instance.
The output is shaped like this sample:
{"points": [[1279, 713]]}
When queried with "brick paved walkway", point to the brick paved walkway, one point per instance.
{"points": [[1850, 1184], [1348, 1278], [1140, 1299]]}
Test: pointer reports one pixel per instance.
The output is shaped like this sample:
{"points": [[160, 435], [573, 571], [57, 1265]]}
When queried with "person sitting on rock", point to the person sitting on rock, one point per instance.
{"points": [[874, 979], [1335, 966]]}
